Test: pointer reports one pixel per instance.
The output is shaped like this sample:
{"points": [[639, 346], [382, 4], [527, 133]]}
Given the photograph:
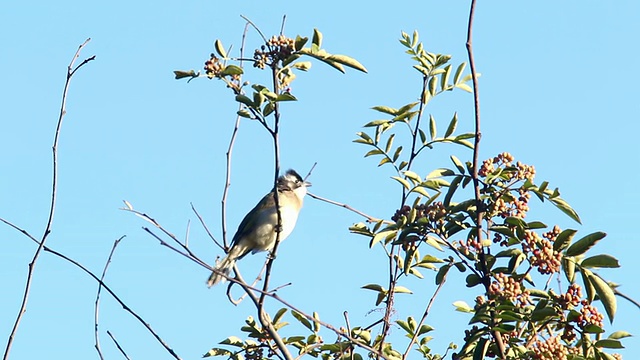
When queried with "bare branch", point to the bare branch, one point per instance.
{"points": [[107, 288], [204, 225], [25, 298], [97, 302], [118, 345], [369, 218], [424, 317]]}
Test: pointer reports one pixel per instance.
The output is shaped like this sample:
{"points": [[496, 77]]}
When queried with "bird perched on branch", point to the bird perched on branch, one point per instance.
{"points": [[258, 230]]}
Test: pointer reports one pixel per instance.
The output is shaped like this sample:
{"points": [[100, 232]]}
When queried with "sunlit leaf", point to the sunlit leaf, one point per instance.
{"points": [[600, 261], [183, 74], [464, 87], [565, 208], [606, 295], [452, 125], [317, 38], [303, 320], [220, 49], [402, 290], [563, 240], [583, 245], [462, 306], [459, 70], [232, 70], [432, 126], [609, 344]]}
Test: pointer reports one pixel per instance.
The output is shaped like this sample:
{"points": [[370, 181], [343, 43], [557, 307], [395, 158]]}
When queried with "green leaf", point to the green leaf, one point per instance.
{"points": [[402, 181], [382, 235], [302, 65], [583, 245], [457, 163], [183, 74], [231, 70], [462, 306], [233, 341], [606, 295], [464, 87], [442, 273], [300, 42], [396, 154], [600, 261], [402, 290], [440, 172], [432, 126], [347, 61], [564, 239], [286, 96], [387, 147], [433, 85], [217, 352], [386, 110], [569, 266], [591, 291], [303, 320], [413, 176], [619, 335], [245, 100], [444, 79], [220, 49], [609, 344], [279, 314], [481, 349], [459, 70], [565, 208], [317, 38], [244, 113], [452, 125], [452, 189], [268, 109], [373, 152]]}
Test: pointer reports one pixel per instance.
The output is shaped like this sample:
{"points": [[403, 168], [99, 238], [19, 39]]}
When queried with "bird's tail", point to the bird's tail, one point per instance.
{"points": [[223, 268]]}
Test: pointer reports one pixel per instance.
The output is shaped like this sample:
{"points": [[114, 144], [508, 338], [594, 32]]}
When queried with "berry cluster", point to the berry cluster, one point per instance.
{"points": [[542, 255], [520, 171], [505, 287], [549, 349], [433, 215], [510, 206], [213, 67], [278, 48]]}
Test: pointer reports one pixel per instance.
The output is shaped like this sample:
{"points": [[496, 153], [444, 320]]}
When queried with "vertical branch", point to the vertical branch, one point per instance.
{"points": [[276, 148], [23, 308], [97, 302], [227, 182], [476, 182]]}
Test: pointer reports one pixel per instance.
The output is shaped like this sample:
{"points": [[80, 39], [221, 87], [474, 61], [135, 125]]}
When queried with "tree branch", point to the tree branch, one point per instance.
{"points": [[97, 302], [25, 298]]}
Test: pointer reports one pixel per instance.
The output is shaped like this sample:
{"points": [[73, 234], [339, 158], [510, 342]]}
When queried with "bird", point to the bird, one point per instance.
{"points": [[257, 231]]}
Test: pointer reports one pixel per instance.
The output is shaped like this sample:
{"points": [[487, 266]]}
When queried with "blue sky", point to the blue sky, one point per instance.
{"points": [[558, 90]]}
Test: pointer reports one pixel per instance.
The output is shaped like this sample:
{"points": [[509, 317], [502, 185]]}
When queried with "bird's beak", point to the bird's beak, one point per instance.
{"points": [[307, 184]]}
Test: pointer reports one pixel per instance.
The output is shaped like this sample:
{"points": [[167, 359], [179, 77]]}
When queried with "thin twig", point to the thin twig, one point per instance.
{"points": [[204, 225], [369, 218], [424, 317], [111, 292], [118, 345], [310, 170], [165, 231], [97, 303], [284, 21], [25, 298], [227, 181]]}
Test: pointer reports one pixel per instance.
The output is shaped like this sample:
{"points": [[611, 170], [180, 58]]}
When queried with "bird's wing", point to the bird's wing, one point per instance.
{"points": [[248, 223]]}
